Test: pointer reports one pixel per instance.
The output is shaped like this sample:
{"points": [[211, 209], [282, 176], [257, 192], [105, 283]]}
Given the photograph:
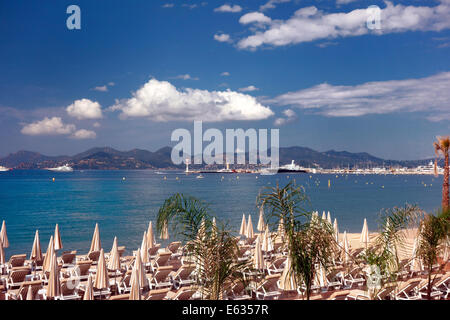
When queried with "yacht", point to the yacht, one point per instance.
{"points": [[288, 168], [3, 169], [64, 168]]}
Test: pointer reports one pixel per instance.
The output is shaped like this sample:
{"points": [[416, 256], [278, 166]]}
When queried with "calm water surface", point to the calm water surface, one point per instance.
{"points": [[30, 200]]}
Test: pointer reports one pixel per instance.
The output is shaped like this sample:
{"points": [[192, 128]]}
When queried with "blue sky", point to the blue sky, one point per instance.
{"points": [[139, 69]]}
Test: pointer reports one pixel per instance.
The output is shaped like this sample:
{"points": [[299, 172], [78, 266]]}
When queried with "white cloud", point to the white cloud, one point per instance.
{"points": [[84, 134], [161, 101], [248, 89], [168, 5], [185, 77], [338, 2], [48, 126], [85, 109], [271, 4], [190, 6], [96, 125], [225, 74], [228, 8], [310, 24], [290, 116], [253, 17], [101, 88], [223, 37], [430, 95]]}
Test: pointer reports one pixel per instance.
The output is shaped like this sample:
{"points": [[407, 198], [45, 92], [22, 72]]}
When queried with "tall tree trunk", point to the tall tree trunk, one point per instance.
{"points": [[445, 186]]}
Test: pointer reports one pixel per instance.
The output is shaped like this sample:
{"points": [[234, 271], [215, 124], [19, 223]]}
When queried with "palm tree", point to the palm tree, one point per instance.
{"points": [[213, 249], [434, 230], [310, 242], [442, 147]]}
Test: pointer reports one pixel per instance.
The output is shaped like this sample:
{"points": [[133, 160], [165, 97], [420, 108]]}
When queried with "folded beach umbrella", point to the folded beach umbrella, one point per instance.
{"points": [[2, 253], [53, 286], [416, 263], [249, 234], [446, 253], [364, 238], [96, 245], [243, 229], [144, 249], [150, 236], [141, 270], [258, 259], [4, 235], [320, 278], [165, 232], [89, 293], [57, 239], [324, 216], [329, 217], [46, 265], [261, 225], [267, 243], [101, 277], [29, 293], [36, 252], [135, 286], [114, 257], [336, 230], [287, 279], [346, 248], [201, 233]]}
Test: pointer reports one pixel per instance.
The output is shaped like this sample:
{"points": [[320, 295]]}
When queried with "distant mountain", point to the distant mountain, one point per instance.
{"points": [[109, 158]]}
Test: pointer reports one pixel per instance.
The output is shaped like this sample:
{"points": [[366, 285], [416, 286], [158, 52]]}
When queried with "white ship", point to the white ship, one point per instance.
{"points": [[429, 169], [288, 168], [3, 169], [64, 168]]}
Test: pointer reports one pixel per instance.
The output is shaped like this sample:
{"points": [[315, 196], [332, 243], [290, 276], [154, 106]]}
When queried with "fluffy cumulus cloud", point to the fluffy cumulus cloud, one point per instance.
{"points": [[430, 95], [48, 126], [310, 24], [254, 17], [84, 134], [85, 109], [228, 8], [161, 101], [225, 74], [222, 37]]}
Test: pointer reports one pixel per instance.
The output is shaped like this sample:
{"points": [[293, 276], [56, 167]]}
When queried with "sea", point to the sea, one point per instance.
{"points": [[124, 202]]}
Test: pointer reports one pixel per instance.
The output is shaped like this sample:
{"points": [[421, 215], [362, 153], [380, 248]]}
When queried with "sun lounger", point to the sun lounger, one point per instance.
{"points": [[277, 266], [121, 250], [16, 277], [184, 293], [125, 296], [383, 294], [160, 278], [93, 256], [159, 294], [16, 260], [339, 295], [69, 290], [22, 292], [124, 284], [406, 290], [423, 286], [152, 252], [267, 288], [354, 277], [237, 292], [81, 269], [443, 285], [174, 247], [68, 258], [160, 260], [182, 276]]}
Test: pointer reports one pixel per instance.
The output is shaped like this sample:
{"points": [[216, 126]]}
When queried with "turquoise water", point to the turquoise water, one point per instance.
{"points": [[30, 200]]}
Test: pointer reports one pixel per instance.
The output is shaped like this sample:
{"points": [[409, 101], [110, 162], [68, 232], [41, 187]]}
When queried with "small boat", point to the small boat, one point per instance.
{"points": [[64, 168], [3, 169], [199, 177]]}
